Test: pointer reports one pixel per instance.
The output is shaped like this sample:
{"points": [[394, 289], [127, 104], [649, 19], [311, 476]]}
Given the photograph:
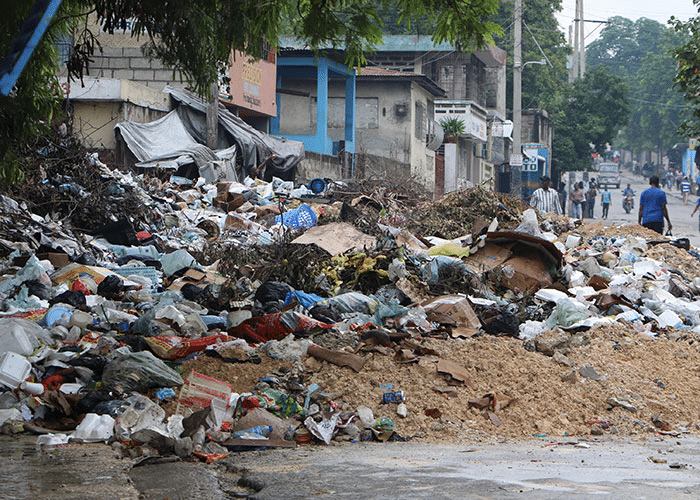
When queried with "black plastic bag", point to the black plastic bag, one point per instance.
{"points": [[112, 284], [74, 298]]}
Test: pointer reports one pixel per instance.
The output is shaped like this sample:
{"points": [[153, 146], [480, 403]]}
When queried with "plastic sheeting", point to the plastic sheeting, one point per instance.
{"points": [[255, 146], [178, 139]]}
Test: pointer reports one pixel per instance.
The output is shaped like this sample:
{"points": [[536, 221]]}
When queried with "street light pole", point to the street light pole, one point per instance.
{"points": [[517, 78]]}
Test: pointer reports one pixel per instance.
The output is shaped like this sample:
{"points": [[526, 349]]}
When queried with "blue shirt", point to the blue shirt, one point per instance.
{"points": [[652, 202], [605, 196], [685, 186]]}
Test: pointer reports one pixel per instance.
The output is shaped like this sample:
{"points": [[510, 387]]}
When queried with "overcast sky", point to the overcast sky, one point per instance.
{"points": [[659, 10]]}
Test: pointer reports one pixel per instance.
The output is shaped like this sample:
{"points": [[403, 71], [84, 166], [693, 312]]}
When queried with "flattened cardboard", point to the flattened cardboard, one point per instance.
{"points": [[457, 372], [490, 256], [531, 273], [337, 238], [456, 307]]}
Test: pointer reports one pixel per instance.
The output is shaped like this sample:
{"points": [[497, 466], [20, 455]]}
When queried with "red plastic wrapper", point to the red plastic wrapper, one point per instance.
{"points": [[275, 326], [180, 347]]}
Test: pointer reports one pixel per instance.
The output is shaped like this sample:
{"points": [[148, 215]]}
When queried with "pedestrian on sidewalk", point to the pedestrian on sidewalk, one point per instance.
{"points": [[652, 207], [544, 198], [605, 196], [685, 188], [591, 195], [577, 199], [697, 205]]}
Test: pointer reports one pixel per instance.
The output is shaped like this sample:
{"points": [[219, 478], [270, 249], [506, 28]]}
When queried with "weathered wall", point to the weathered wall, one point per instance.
{"points": [[385, 122], [315, 165], [120, 57]]}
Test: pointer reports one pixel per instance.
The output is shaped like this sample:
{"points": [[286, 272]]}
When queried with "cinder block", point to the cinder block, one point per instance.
{"points": [[119, 62], [132, 52], [140, 63], [123, 74], [145, 75]]}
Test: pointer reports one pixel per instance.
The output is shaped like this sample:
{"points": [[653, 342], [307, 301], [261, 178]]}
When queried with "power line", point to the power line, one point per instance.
{"points": [[681, 106]]}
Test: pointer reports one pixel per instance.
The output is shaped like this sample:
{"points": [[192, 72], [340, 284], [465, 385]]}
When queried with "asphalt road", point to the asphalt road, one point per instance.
{"points": [[684, 226], [539, 469]]}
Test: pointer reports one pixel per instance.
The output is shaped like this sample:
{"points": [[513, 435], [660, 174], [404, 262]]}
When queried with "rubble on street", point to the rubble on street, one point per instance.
{"points": [[165, 315]]}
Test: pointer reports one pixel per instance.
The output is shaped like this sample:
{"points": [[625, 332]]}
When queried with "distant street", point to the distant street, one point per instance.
{"points": [[684, 226]]}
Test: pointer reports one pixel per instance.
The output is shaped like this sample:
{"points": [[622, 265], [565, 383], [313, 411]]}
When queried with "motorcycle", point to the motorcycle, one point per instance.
{"points": [[628, 203]]}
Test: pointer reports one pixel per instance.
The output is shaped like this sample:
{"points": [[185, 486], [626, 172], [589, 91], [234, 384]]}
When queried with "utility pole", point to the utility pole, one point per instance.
{"points": [[517, 77], [582, 47], [577, 20], [213, 116]]}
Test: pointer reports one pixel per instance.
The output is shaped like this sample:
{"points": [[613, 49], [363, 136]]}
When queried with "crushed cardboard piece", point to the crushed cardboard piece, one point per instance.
{"points": [[489, 257], [337, 238], [449, 392], [199, 278], [337, 357], [531, 273], [457, 372], [456, 307], [494, 418]]}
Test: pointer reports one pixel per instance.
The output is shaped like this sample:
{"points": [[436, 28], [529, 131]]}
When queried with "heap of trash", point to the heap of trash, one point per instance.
{"points": [[177, 316]]}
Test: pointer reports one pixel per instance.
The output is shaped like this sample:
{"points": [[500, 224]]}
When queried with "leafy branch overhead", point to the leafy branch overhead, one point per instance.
{"points": [[197, 38]]}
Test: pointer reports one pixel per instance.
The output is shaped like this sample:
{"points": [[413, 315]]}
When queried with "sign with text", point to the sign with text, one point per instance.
{"points": [[253, 84]]}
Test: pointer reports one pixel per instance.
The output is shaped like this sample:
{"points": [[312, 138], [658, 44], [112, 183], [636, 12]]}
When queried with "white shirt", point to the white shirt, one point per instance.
{"points": [[546, 201]]}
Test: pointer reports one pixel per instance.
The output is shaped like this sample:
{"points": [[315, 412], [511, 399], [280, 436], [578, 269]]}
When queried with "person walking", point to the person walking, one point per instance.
{"points": [[544, 198], [591, 195], [697, 205], [605, 196], [577, 199], [652, 207], [685, 188]]}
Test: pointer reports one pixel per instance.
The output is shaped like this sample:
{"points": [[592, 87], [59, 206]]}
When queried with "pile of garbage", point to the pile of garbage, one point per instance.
{"points": [[215, 318]]}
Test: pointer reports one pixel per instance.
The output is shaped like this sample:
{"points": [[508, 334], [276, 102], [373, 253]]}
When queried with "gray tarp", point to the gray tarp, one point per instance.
{"points": [[176, 139], [255, 146]]}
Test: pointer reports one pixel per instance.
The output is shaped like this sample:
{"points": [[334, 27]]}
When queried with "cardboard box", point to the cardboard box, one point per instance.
{"points": [[456, 307], [531, 273], [58, 259], [228, 202]]}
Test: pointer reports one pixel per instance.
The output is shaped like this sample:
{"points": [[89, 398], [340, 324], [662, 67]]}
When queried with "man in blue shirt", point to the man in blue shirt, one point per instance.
{"points": [[652, 207], [605, 200]]}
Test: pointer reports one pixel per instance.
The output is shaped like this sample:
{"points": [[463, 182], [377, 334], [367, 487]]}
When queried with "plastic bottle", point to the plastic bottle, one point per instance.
{"points": [[253, 432]]}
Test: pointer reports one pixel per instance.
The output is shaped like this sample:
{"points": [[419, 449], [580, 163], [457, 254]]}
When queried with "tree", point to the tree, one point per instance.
{"points": [[587, 116], [539, 83], [639, 52], [686, 78], [197, 39]]}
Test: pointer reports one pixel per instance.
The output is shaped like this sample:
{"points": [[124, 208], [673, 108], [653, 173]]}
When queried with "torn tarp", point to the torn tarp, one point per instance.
{"points": [[255, 146], [179, 139]]}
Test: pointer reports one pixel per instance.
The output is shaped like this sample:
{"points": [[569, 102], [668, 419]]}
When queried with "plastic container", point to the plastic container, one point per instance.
{"points": [[16, 340], [318, 185], [14, 369], [304, 216], [94, 428], [80, 319]]}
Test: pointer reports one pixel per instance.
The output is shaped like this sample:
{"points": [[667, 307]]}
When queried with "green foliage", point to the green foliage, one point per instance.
{"points": [[587, 116], [540, 84], [452, 126], [196, 38], [687, 79], [27, 112], [639, 52]]}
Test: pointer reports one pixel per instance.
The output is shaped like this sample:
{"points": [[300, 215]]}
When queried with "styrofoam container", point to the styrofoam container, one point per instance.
{"points": [[16, 340], [14, 369], [94, 428]]}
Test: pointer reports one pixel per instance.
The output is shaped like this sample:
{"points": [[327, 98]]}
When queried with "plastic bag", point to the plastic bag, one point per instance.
{"points": [[139, 371], [179, 347]]}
